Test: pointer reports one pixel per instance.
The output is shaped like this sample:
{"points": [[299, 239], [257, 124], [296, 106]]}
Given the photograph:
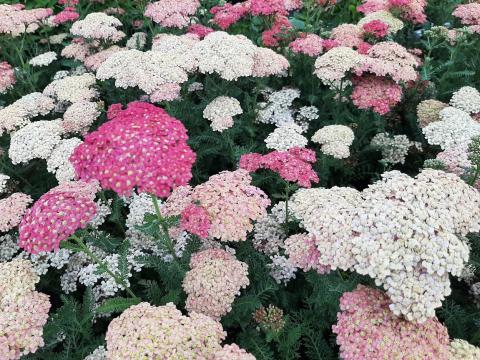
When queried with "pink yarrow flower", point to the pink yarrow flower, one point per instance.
{"points": [[376, 28], [172, 13], [12, 209], [308, 44], [294, 165], [7, 76], [278, 32], [368, 329], [267, 7], [226, 15], [377, 93], [140, 147], [200, 30], [56, 216], [66, 15], [195, 220]]}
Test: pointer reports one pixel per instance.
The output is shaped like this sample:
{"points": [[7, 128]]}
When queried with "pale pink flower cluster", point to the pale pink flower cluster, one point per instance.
{"points": [[19, 114], [388, 58], [303, 253], [411, 10], [23, 311], [348, 35], [231, 202], [235, 56], [158, 72], [80, 116], [469, 14], [214, 280], [58, 214], [7, 77], [78, 50], [15, 20], [220, 111], [12, 209], [308, 44], [233, 352], [393, 219], [93, 61], [172, 13], [98, 26], [377, 93], [367, 329], [144, 331]]}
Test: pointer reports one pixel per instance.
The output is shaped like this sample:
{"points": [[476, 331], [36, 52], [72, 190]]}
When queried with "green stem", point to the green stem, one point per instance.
{"points": [[474, 179], [164, 227], [104, 266]]}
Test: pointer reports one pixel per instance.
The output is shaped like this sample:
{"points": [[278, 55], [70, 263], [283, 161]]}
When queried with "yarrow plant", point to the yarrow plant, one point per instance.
{"points": [[240, 179]]}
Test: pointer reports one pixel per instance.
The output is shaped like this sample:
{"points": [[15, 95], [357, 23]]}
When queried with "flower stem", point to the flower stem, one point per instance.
{"points": [[102, 265], [164, 226]]}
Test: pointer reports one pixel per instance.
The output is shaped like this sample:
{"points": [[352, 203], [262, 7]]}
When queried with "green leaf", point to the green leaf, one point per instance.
{"points": [[117, 304]]}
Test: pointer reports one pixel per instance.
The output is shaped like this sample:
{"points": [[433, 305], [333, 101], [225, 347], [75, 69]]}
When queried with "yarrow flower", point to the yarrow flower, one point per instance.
{"points": [[456, 127], [467, 99], [231, 202], [294, 165], [233, 352], [146, 331], [172, 13], [214, 280], [377, 18], [220, 111], [98, 26], [15, 20], [7, 77], [23, 311], [428, 111], [394, 148], [335, 140], [333, 66], [348, 35], [269, 232], [68, 14], [377, 28], [228, 14], [377, 93], [469, 14], [72, 88], [278, 33], [58, 162], [286, 137], [462, 350], [140, 147], [195, 220], [367, 329], [308, 44], [35, 141], [58, 214], [19, 114], [411, 10], [43, 59], [234, 56], [12, 210], [303, 253], [411, 262]]}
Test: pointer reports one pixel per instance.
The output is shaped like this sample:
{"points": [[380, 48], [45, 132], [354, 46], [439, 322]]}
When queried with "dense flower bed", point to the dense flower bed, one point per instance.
{"points": [[240, 180]]}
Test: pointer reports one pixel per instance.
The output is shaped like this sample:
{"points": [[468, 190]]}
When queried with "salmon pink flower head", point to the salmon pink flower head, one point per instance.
{"points": [[267, 7], [368, 329], [294, 165], [58, 214], [66, 15], [377, 93], [308, 44], [279, 32], [140, 147], [231, 203]]}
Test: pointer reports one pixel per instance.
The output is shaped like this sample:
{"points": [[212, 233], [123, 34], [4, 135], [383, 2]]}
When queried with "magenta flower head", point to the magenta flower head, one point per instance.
{"points": [[58, 214], [140, 147]]}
